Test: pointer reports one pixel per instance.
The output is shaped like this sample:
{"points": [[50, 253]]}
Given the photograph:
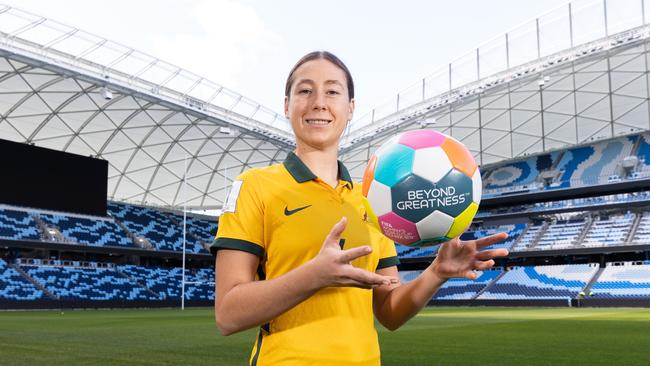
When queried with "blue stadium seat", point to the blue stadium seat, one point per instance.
{"points": [[97, 232], [513, 231], [17, 225], [13, 286], [464, 289], [625, 281], [153, 225], [643, 153], [70, 283], [562, 234], [202, 229], [609, 231], [569, 163], [542, 282], [167, 282], [457, 288]]}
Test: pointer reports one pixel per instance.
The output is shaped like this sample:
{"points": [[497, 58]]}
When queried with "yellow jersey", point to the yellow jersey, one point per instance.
{"points": [[282, 214]]}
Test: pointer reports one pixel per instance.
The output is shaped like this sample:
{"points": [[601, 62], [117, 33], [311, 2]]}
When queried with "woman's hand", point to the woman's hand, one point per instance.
{"points": [[458, 258], [333, 264]]}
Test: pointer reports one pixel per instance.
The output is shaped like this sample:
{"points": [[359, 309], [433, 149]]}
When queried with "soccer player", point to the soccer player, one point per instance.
{"points": [[295, 255]]}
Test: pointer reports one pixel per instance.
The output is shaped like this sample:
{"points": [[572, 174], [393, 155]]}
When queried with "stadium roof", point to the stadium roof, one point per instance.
{"points": [[573, 75], [66, 89]]}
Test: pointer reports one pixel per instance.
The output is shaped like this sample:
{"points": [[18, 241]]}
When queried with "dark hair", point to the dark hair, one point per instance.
{"points": [[321, 55]]}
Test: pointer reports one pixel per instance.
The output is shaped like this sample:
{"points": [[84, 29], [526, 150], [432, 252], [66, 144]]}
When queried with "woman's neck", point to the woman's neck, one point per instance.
{"points": [[323, 163]]}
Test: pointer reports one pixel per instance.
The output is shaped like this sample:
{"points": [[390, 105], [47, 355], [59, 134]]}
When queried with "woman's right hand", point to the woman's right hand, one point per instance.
{"points": [[333, 268]]}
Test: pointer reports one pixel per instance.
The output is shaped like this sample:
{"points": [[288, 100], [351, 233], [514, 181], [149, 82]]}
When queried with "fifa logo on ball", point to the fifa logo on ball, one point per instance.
{"points": [[423, 188]]}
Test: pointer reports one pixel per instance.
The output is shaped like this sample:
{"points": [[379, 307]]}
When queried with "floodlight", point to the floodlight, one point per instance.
{"points": [[106, 93]]}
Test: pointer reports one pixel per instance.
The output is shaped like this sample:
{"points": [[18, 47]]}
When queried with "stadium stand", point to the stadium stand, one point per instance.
{"points": [[71, 283], [598, 163], [155, 226], [464, 289], [202, 230], [408, 276], [643, 168], [541, 282], [201, 284], [603, 162], [165, 282], [519, 175], [74, 280], [97, 232], [17, 225], [410, 252], [609, 231], [642, 233], [127, 224], [131, 283], [529, 238], [623, 280], [513, 231], [576, 203], [13, 286], [562, 234], [569, 164]]}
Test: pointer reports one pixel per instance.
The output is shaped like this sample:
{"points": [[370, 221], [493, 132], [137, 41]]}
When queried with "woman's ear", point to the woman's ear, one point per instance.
{"points": [[286, 107]]}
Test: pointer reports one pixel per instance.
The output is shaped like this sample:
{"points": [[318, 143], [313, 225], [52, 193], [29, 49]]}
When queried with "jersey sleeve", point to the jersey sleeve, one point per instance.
{"points": [[387, 254], [241, 223]]}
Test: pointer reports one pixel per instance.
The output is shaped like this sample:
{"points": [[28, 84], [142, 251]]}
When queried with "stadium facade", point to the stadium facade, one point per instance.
{"points": [[556, 112]]}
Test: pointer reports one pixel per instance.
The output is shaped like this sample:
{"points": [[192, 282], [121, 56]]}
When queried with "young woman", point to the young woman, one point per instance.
{"points": [[295, 255]]}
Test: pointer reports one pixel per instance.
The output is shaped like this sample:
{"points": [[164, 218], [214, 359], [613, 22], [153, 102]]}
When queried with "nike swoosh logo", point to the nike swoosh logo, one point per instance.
{"points": [[288, 212]]}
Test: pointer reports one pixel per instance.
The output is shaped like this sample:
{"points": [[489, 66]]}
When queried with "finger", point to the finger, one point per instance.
{"points": [[492, 253], [481, 265], [363, 284], [349, 255], [370, 278], [337, 230], [470, 275], [489, 240]]}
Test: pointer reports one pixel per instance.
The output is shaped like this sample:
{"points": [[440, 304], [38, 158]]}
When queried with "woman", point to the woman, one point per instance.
{"points": [[295, 255]]}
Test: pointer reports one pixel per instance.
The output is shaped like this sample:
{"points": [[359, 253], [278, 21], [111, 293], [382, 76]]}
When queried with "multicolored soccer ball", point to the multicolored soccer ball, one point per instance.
{"points": [[423, 188]]}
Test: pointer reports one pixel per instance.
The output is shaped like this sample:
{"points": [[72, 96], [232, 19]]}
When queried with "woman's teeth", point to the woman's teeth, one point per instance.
{"points": [[318, 121]]}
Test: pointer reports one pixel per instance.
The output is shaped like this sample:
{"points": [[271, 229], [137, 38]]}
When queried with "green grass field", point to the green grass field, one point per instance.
{"points": [[438, 336]]}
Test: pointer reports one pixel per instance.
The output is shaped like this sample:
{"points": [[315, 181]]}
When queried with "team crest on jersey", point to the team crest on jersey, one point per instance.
{"points": [[231, 201]]}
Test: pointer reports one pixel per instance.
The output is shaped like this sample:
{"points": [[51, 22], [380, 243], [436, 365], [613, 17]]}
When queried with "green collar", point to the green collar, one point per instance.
{"points": [[301, 173]]}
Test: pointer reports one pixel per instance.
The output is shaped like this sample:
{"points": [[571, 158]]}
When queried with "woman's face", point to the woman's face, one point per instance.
{"points": [[318, 105]]}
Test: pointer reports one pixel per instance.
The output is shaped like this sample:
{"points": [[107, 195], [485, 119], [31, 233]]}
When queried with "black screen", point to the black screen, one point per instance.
{"points": [[36, 177]]}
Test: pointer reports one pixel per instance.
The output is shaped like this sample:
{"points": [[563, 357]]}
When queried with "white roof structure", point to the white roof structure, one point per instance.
{"points": [[576, 74], [66, 89]]}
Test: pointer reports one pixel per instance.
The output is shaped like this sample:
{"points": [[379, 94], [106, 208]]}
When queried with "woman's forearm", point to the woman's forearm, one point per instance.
{"points": [[404, 301], [268, 298]]}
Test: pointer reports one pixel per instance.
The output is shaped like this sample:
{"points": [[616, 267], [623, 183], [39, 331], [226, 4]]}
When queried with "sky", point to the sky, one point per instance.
{"points": [[249, 46]]}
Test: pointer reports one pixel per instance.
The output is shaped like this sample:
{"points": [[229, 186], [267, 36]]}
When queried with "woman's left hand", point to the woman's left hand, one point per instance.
{"points": [[460, 259]]}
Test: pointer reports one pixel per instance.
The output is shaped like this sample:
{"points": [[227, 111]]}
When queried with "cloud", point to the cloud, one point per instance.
{"points": [[227, 38]]}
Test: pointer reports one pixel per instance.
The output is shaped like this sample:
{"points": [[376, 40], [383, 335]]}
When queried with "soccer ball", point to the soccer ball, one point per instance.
{"points": [[422, 188]]}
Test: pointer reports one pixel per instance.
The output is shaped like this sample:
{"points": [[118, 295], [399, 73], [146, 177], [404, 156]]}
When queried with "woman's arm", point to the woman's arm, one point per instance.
{"points": [[242, 303], [396, 304]]}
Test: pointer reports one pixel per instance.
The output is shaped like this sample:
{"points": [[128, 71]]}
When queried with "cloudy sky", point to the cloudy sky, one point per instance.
{"points": [[249, 46]]}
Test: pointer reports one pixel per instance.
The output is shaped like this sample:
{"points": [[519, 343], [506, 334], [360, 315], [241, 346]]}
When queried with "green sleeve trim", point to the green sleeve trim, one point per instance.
{"points": [[388, 262], [237, 244]]}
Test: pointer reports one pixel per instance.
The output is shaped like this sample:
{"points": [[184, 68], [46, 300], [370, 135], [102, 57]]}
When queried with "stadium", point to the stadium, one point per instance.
{"points": [[126, 157]]}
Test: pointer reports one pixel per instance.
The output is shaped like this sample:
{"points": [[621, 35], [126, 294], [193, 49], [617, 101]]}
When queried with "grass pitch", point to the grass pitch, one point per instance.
{"points": [[438, 336]]}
